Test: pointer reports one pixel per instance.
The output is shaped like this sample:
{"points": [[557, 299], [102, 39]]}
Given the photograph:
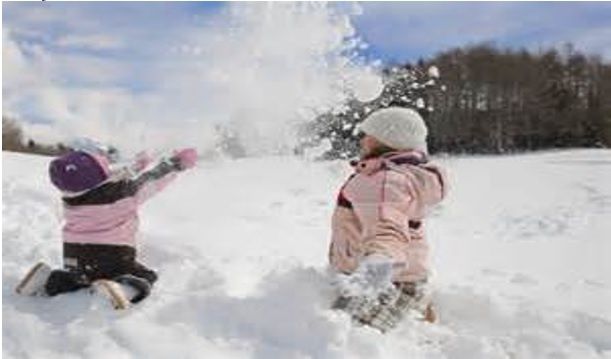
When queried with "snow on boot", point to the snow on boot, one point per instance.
{"points": [[361, 308], [415, 301], [113, 292], [140, 288], [34, 281], [369, 311], [387, 310]]}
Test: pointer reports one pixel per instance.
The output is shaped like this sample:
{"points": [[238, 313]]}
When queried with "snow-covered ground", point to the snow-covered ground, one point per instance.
{"points": [[521, 253]]}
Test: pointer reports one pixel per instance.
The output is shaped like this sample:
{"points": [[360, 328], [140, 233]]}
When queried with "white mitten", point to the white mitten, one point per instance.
{"points": [[372, 277]]}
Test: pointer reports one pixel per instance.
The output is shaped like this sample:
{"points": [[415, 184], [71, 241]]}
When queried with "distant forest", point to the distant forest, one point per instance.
{"points": [[477, 99], [13, 139], [490, 100]]}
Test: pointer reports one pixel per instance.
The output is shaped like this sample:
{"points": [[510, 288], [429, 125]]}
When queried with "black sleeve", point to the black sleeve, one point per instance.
{"points": [[105, 194], [161, 170], [114, 191]]}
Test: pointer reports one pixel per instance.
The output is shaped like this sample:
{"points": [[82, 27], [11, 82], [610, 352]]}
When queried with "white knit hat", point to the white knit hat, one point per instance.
{"points": [[397, 127]]}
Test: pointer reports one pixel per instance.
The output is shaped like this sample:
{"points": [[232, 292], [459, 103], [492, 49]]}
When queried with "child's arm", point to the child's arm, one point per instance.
{"points": [[152, 181], [400, 200], [388, 234], [434, 184], [382, 206]]}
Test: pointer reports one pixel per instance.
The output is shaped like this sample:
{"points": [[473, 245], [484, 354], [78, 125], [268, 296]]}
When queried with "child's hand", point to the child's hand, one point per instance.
{"points": [[372, 277], [185, 158]]}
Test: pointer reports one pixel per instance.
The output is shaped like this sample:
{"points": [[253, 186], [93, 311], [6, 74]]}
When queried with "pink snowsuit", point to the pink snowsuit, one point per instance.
{"points": [[99, 234], [109, 214], [381, 210]]}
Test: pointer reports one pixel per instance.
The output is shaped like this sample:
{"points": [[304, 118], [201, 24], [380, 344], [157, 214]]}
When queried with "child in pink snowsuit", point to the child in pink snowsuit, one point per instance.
{"points": [[101, 221], [378, 240]]}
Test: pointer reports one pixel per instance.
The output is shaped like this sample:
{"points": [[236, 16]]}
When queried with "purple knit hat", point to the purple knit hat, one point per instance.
{"points": [[78, 171]]}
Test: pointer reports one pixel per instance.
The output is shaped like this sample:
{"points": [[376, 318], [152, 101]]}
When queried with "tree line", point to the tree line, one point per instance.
{"points": [[13, 139], [490, 100]]}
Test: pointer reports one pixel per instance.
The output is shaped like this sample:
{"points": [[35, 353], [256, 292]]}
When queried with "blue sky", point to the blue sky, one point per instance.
{"points": [[395, 31]]}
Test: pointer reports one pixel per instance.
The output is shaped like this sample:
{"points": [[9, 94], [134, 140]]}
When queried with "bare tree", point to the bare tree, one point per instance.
{"points": [[12, 135]]}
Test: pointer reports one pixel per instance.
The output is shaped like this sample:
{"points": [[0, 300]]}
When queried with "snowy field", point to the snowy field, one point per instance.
{"points": [[521, 251]]}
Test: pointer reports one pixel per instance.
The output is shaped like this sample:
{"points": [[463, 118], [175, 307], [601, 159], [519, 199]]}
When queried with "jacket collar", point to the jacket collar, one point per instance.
{"points": [[374, 164]]}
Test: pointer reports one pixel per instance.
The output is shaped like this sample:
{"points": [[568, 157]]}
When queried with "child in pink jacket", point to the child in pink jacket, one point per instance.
{"points": [[378, 243], [101, 222]]}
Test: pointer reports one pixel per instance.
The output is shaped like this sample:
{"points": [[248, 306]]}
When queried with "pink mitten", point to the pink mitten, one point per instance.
{"points": [[187, 158]]}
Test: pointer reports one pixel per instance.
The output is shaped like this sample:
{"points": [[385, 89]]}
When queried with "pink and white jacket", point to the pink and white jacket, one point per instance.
{"points": [[108, 214], [381, 210]]}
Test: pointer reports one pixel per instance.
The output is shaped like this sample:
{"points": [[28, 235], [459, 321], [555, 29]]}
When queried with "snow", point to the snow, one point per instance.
{"points": [[367, 85], [520, 251], [420, 103], [433, 71]]}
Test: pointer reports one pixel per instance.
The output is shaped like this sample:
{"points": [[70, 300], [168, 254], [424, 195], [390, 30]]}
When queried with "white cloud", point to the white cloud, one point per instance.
{"points": [[35, 87], [14, 64], [91, 42]]}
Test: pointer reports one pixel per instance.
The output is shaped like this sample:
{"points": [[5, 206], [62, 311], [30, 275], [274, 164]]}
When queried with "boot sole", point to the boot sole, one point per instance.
{"points": [[113, 292], [28, 277]]}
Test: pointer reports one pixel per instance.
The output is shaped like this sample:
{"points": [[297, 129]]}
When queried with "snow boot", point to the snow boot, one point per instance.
{"points": [[141, 287], [35, 280], [113, 292]]}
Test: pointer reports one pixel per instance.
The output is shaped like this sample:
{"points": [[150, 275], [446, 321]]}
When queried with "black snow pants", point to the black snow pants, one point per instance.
{"points": [[85, 263]]}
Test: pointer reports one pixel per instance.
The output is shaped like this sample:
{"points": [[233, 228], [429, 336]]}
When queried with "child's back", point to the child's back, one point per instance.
{"points": [[101, 221], [378, 245], [382, 210]]}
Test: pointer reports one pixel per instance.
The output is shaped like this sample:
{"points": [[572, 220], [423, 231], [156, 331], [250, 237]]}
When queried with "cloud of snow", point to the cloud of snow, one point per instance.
{"points": [[259, 68]]}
